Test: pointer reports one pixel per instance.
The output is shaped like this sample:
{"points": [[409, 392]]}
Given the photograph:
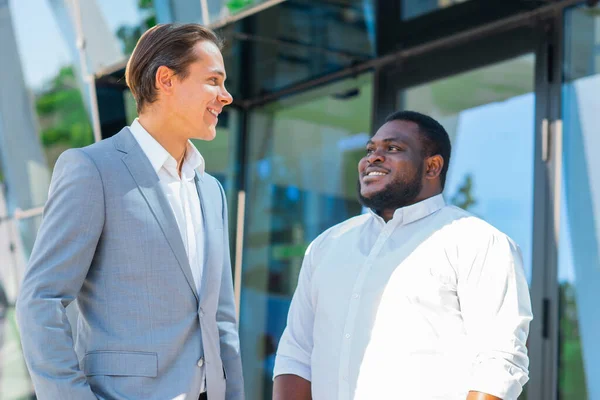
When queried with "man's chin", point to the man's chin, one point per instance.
{"points": [[208, 134], [370, 193]]}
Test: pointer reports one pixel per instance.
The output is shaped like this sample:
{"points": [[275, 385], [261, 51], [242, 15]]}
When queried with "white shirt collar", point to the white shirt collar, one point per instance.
{"points": [[160, 157], [414, 212]]}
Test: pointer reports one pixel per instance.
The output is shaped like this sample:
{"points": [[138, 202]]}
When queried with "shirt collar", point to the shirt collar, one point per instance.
{"points": [[160, 157], [414, 212]]}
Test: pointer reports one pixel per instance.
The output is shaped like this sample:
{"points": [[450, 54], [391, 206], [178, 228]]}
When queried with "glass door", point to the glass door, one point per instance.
{"points": [[303, 154]]}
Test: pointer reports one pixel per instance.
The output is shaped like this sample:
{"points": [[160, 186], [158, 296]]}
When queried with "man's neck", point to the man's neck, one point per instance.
{"points": [[388, 214], [167, 135]]}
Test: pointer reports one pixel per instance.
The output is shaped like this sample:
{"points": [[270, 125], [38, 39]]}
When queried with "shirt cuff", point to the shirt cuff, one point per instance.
{"points": [[498, 378], [285, 365]]}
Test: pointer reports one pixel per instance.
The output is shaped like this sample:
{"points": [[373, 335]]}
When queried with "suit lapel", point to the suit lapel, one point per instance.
{"points": [[149, 185], [208, 225]]}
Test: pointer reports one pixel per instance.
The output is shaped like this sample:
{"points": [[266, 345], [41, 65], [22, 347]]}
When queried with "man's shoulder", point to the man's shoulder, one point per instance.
{"points": [[468, 227], [102, 154], [341, 229]]}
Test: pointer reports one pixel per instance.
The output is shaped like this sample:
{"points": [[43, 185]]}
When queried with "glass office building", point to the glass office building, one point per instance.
{"points": [[515, 83]]}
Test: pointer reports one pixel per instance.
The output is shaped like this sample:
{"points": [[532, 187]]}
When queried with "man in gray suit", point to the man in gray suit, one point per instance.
{"points": [[135, 232]]}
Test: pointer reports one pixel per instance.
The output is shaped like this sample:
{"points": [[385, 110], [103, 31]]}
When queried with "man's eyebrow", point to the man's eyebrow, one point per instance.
{"points": [[387, 140], [218, 72]]}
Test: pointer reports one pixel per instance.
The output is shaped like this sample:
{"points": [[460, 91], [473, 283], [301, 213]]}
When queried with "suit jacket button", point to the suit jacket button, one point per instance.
{"points": [[201, 362]]}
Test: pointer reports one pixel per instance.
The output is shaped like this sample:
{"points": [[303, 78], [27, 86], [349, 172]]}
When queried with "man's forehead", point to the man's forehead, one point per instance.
{"points": [[397, 130]]}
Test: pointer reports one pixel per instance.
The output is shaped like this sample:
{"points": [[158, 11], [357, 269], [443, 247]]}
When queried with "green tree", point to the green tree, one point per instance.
{"points": [[62, 114], [572, 377], [129, 35], [464, 195]]}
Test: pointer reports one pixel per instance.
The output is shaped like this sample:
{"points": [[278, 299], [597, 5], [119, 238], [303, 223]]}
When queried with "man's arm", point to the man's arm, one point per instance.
{"points": [[60, 260], [292, 364], [496, 310], [227, 321], [481, 396], [291, 387]]}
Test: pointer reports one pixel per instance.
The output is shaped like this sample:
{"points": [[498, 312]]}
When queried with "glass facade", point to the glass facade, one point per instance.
{"points": [[415, 8], [291, 142], [579, 259], [302, 163], [209, 11]]}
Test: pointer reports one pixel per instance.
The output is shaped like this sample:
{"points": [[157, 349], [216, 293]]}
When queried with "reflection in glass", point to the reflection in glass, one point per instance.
{"points": [[126, 20], [489, 114], [415, 8], [302, 179], [302, 39], [579, 259]]}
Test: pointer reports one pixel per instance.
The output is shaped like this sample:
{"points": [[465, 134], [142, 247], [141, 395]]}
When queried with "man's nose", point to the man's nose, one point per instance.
{"points": [[375, 156], [225, 97]]}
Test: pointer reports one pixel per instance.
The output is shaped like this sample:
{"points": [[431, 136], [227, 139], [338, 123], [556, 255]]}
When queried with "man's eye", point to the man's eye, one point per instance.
{"points": [[369, 151], [394, 148]]}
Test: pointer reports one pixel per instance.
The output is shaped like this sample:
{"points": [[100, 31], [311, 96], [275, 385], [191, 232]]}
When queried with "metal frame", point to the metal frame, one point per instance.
{"points": [[473, 33], [553, 177]]}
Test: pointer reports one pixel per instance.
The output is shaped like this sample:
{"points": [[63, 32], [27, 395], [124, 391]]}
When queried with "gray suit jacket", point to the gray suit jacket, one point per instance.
{"points": [[110, 241]]}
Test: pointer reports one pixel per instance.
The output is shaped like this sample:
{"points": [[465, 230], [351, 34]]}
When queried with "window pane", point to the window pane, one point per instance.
{"points": [[579, 259], [415, 8], [302, 179]]}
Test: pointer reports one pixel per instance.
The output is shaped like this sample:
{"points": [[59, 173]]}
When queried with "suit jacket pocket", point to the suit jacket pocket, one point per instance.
{"points": [[120, 363]]}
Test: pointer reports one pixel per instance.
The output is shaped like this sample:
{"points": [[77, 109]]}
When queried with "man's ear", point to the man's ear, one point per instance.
{"points": [[433, 166], [164, 79]]}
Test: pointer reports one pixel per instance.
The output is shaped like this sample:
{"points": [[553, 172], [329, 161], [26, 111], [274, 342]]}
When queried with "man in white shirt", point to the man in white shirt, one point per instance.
{"points": [[135, 231], [414, 300]]}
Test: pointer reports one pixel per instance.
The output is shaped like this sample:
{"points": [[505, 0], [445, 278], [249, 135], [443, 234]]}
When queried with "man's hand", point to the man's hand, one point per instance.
{"points": [[481, 396], [291, 387]]}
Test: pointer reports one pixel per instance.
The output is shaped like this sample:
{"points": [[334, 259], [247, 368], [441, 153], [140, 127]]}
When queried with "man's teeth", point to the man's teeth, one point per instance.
{"points": [[213, 112], [376, 174]]}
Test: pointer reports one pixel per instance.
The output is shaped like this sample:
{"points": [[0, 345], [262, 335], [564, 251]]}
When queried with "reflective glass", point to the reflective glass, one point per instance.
{"points": [[302, 179], [579, 259], [415, 8], [299, 40]]}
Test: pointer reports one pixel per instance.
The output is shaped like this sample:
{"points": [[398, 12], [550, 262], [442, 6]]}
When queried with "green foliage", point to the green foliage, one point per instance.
{"points": [[129, 35], [572, 376], [62, 113], [464, 196], [237, 5]]}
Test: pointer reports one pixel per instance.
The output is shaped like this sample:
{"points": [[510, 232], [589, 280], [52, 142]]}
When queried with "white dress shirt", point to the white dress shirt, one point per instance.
{"points": [[182, 194], [430, 305]]}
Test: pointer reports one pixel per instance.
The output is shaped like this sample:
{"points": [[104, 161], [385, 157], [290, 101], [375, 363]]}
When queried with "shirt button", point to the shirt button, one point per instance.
{"points": [[355, 296], [200, 362], [347, 336]]}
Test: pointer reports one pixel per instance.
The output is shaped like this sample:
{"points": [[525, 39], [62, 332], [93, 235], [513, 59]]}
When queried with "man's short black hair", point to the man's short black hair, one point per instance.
{"points": [[435, 139]]}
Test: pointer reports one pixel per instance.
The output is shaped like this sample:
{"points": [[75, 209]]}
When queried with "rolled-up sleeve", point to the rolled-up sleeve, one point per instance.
{"points": [[496, 309], [296, 344]]}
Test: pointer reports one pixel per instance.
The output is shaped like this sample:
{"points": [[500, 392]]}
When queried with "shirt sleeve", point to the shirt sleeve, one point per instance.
{"points": [[296, 344], [496, 309]]}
